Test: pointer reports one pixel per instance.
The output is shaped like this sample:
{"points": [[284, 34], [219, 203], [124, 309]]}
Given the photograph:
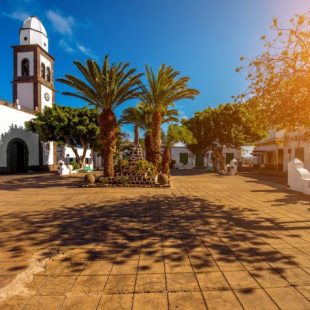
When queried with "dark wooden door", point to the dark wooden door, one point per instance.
{"points": [[17, 157]]}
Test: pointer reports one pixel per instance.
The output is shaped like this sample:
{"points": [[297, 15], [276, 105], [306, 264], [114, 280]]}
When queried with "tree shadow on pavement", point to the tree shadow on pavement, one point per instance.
{"points": [[43, 180], [180, 229]]}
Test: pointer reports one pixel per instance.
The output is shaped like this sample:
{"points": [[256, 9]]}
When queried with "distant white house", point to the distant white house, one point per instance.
{"points": [[185, 159], [66, 154]]}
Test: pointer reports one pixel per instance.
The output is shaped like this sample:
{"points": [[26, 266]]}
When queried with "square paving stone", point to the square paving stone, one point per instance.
{"points": [[255, 299], [186, 300], [89, 284], [44, 302], [120, 284], [151, 266], [212, 281], [126, 267], [56, 285], [71, 268], [116, 302], [81, 301], [5, 280], [182, 282], [221, 300], [147, 283], [151, 301], [240, 280], [97, 268], [178, 266], [288, 298], [15, 302], [204, 265], [297, 277], [305, 291], [232, 265], [269, 278]]}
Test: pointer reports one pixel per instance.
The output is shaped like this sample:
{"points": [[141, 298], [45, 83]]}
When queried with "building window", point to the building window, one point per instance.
{"points": [[184, 158], [43, 70], [25, 67], [48, 74]]}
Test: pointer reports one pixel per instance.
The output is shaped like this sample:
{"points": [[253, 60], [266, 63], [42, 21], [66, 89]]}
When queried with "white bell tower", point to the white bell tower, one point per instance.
{"points": [[33, 82], [33, 32]]}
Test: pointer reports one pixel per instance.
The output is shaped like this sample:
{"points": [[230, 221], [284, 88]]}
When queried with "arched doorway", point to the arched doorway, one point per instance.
{"points": [[17, 156]]}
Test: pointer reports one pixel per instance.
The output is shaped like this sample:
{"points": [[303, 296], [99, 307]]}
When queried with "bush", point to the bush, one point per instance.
{"points": [[145, 167], [75, 165], [121, 165], [102, 180]]}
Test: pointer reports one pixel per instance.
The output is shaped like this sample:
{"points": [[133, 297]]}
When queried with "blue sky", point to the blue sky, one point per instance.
{"points": [[204, 39]]}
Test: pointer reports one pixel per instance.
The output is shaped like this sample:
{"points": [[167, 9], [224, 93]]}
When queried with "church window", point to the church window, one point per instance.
{"points": [[43, 70], [25, 67], [25, 38], [48, 74]]}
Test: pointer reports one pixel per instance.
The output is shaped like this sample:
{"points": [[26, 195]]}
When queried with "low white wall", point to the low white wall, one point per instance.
{"points": [[298, 176]]}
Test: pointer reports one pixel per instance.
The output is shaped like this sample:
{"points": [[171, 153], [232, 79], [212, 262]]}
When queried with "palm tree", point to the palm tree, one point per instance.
{"points": [[106, 88], [162, 91], [141, 117]]}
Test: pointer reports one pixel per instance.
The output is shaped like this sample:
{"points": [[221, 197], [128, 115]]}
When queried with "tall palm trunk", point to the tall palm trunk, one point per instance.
{"points": [[156, 139], [147, 145], [136, 134], [165, 164], [108, 131]]}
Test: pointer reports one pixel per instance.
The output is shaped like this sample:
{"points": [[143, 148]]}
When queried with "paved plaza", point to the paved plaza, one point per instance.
{"points": [[208, 242]]}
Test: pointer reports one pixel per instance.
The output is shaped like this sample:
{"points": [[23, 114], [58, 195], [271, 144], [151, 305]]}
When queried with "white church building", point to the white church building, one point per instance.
{"points": [[33, 89]]}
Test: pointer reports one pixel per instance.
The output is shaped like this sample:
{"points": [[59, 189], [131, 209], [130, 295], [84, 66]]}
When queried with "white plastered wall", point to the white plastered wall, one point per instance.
{"points": [[25, 95], [12, 126], [33, 37], [289, 156], [175, 155]]}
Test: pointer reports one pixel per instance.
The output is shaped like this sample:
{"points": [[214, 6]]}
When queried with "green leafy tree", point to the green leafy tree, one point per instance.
{"points": [[279, 77], [106, 88], [175, 133], [162, 91], [65, 125], [228, 125]]}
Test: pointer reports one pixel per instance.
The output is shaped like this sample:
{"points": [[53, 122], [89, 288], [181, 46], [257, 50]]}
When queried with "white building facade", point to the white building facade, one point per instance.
{"points": [[280, 147], [185, 159], [66, 154], [33, 89]]}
